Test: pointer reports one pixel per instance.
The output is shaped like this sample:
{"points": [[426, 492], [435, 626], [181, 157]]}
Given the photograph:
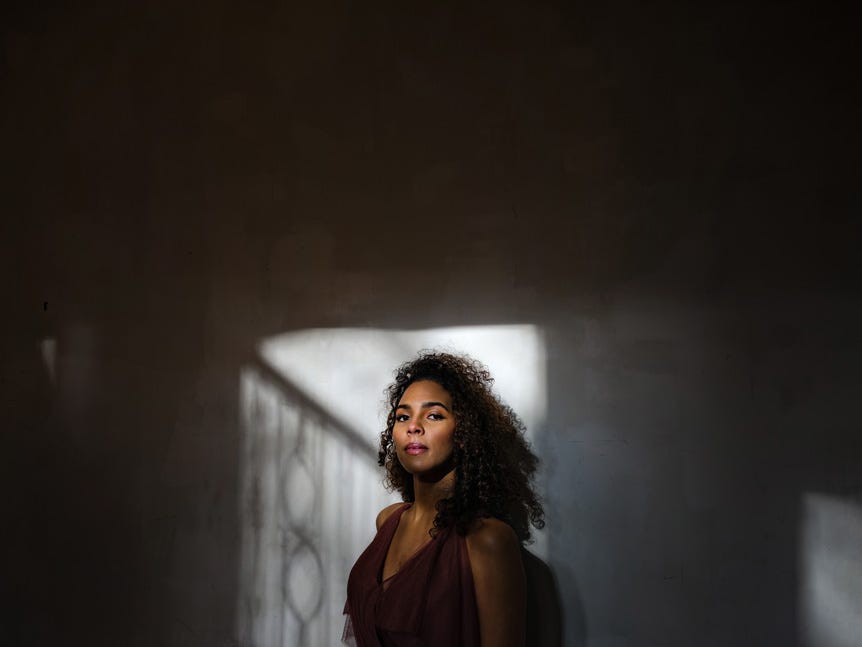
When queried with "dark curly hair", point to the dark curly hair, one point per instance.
{"points": [[494, 466]]}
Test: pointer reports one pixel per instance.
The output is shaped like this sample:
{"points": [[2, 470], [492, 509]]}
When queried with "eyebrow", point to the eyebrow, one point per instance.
{"points": [[425, 405]]}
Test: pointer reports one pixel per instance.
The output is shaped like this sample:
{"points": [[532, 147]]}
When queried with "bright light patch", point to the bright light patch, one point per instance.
{"points": [[346, 369], [831, 572], [311, 414]]}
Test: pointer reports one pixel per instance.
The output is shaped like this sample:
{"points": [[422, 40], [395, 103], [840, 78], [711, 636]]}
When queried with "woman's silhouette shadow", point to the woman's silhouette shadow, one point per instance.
{"points": [[544, 608]]}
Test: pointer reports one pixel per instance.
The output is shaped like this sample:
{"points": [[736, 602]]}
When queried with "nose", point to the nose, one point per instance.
{"points": [[415, 426]]}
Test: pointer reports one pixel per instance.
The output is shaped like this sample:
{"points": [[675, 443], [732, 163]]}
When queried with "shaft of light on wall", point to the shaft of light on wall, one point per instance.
{"points": [[830, 587]]}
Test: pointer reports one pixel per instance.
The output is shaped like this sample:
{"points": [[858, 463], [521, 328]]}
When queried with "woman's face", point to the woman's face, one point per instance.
{"points": [[424, 429]]}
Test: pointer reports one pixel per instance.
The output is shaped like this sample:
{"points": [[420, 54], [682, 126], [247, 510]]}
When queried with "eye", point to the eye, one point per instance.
{"points": [[401, 417], [436, 416]]}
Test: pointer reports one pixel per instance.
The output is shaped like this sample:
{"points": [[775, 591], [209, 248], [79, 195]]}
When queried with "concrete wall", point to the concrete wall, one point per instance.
{"points": [[667, 193]]}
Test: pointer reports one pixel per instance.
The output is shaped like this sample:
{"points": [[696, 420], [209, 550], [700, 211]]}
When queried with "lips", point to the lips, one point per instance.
{"points": [[415, 448]]}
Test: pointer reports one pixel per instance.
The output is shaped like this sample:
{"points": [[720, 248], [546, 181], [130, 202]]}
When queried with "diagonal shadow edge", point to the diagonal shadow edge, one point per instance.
{"points": [[355, 440]]}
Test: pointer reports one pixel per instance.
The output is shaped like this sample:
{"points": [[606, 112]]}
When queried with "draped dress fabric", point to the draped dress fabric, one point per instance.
{"points": [[430, 601]]}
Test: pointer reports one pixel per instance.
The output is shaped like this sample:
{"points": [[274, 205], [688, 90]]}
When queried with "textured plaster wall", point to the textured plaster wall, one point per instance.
{"points": [[667, 192]]}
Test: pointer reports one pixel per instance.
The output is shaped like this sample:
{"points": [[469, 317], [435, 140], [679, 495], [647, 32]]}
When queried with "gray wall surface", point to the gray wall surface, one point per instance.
{"points": [[669, 193]]}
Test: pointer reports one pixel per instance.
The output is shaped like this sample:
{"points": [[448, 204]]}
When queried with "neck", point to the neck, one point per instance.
{"points": [[427, 492]]}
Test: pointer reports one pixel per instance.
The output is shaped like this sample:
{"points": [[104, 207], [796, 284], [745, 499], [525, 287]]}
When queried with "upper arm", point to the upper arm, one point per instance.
{"points": [[383, 515], [498, 577]]}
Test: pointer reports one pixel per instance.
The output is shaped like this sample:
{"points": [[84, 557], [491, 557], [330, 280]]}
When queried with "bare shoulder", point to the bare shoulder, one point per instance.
{"points": [[499, 582], [492, 539], [386, 512]]}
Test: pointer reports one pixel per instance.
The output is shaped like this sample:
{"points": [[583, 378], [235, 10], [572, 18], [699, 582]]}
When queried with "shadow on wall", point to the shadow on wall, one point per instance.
{"points": [[544, 608]]}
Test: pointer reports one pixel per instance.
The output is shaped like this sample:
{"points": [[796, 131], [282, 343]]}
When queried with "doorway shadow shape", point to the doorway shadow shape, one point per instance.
{"points": [[544, 609]]}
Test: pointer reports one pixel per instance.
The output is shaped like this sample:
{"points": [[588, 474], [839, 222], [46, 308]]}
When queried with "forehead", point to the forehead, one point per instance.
{"points": [[426, 391]]}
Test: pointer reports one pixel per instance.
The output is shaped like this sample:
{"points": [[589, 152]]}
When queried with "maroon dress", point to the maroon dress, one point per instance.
{"points": [[430, 601]]}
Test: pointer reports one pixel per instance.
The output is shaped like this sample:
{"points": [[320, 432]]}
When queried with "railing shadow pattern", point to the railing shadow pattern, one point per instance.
{"points": [[309, 490]]}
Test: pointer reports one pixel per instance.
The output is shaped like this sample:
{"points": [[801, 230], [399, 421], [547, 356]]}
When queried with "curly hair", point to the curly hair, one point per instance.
{"points": [[494, 465]]}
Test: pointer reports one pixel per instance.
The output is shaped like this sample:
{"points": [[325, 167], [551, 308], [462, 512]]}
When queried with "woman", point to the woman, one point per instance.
{"points": [[445, 567]]}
